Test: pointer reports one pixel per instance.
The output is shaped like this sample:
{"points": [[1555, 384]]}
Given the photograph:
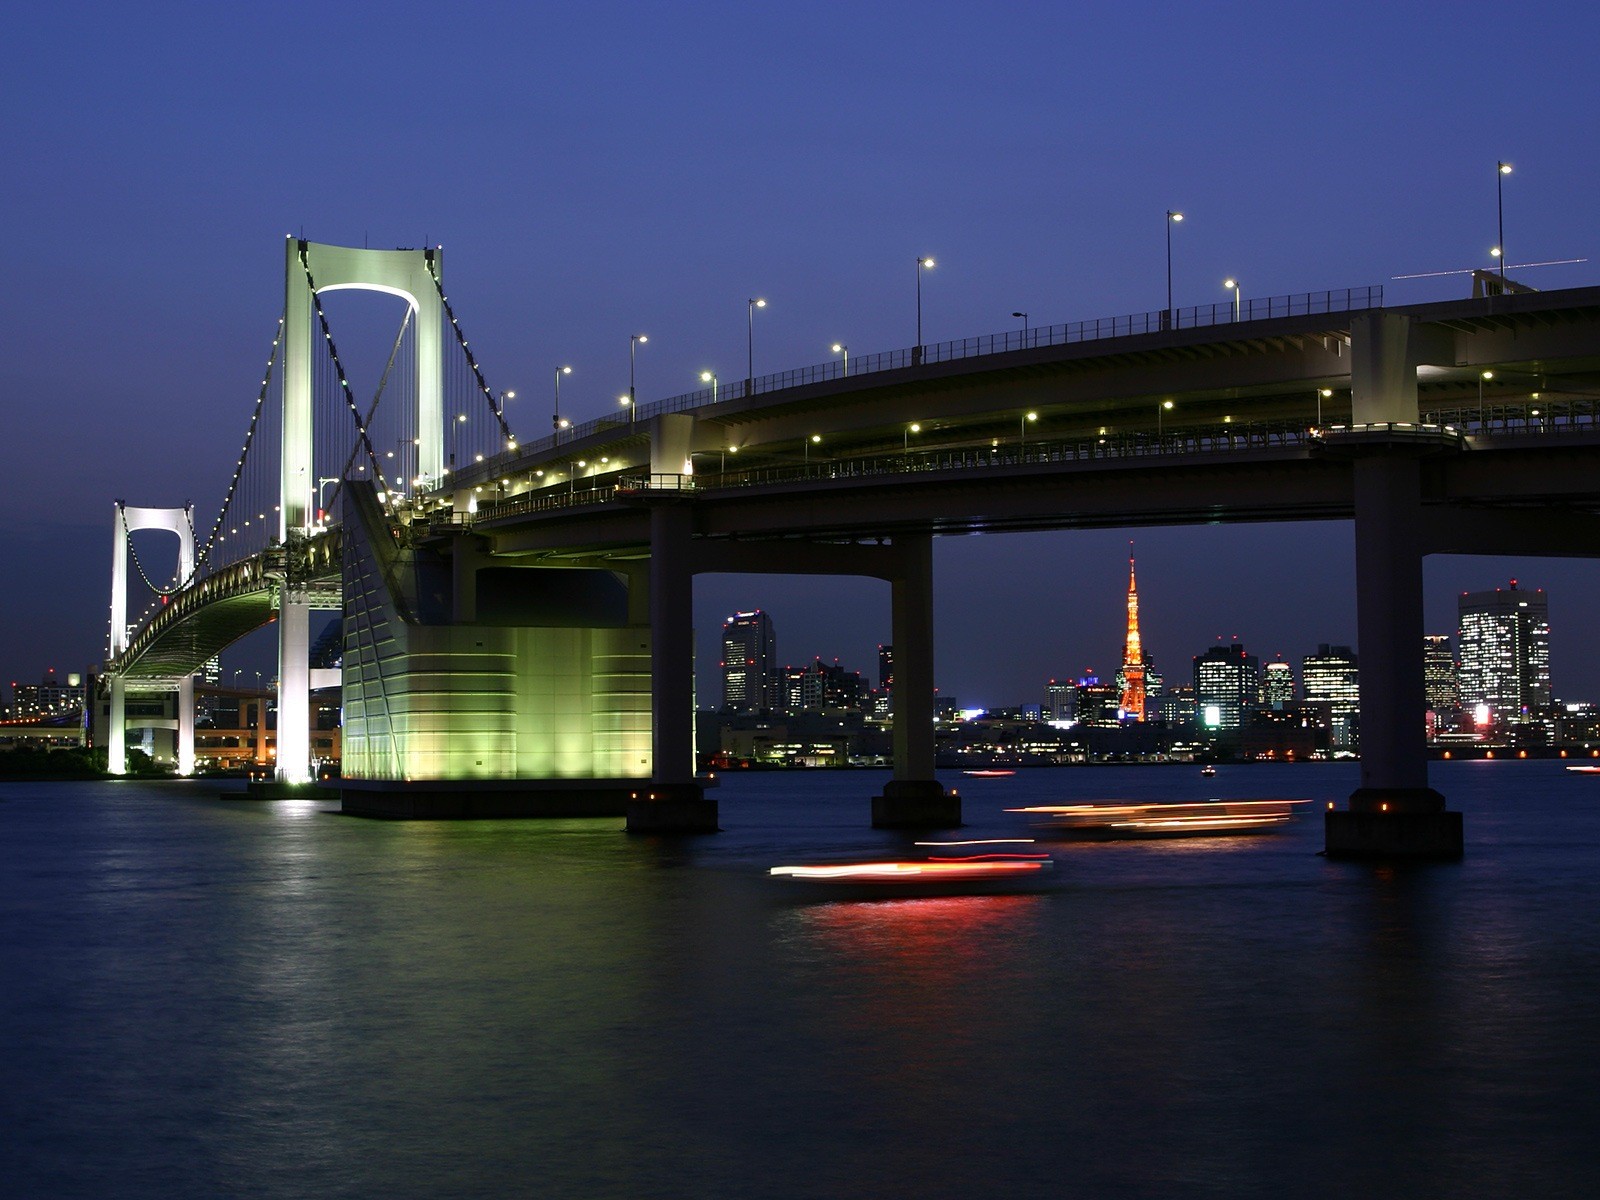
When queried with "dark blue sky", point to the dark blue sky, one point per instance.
{"points": [[598, 170]]}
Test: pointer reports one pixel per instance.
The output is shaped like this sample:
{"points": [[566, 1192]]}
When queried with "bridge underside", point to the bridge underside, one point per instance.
{"points": [[203, 634]]}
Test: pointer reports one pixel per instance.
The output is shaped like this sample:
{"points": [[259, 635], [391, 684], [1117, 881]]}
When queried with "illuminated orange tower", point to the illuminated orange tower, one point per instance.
{"points": [[1133, 653]]}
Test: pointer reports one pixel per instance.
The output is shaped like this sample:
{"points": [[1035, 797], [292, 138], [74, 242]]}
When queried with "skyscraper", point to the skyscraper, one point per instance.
{"points": [[1226, 680], [1132, 674], [1277, 683], [1505, 653], [1441, 686], [1332, 676], [748, 650]]}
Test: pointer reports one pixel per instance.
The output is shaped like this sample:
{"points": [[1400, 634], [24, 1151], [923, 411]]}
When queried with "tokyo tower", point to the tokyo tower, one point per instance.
{"points": [[1132, 653]]}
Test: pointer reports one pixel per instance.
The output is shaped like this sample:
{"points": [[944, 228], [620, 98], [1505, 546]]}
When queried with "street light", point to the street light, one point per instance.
{"points": [[909, 430], [1482, 375], [1172, 219], [627, 403], [750, 348], [322, 482], [809, 442], [1234, 284], [841, 348], [1502, 169], [1164, 407], [633, 341], [1022, 430], [1024, 317], [711, 378], [501, 407], [1322, 394], [556, 424], [924, 262]]}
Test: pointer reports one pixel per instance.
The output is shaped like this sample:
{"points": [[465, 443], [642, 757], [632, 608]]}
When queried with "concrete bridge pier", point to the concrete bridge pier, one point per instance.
{"points": [[185, 745], [673, 802], [1394, 813], [914, 798], [117, 727]]}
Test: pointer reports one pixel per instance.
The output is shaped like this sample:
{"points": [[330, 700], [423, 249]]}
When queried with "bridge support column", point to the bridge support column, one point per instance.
{"points": [[914, 798], [185, 745], [1394, 813], [294, 692], [117, 728], [674, 802]]}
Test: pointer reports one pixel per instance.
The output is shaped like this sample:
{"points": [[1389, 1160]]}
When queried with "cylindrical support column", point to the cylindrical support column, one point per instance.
{"points": [[1389, 624], [117, 728], [911, 626], [186, 725], [914, 798], [674, 801], [294, 692], [1394, 813]]}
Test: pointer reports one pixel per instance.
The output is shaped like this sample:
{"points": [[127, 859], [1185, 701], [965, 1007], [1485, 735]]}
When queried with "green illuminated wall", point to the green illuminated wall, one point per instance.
{"points": [[429, 697]]}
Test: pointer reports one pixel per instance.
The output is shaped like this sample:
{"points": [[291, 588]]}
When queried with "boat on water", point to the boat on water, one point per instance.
{"points": [[1586, 770], [990, 773], [1208, 770], [936, 875], [1116, 821]]}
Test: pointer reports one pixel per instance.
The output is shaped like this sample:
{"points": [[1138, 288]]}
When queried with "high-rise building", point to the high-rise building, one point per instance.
{"points": [[886, 668], [1177, 706], [1441, 685], [748, 650], [1505, 653], [1061, 700], [1332, 676], [1226, 680], [1277, 684], [1131, 677]]}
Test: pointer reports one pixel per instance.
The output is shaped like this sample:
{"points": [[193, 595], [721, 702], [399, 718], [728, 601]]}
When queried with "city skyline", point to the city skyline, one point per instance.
{"points": [[578, 207]]}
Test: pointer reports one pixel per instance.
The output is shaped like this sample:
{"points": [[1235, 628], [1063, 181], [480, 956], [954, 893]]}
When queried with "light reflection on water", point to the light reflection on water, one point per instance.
{"points": [[206, 997]]}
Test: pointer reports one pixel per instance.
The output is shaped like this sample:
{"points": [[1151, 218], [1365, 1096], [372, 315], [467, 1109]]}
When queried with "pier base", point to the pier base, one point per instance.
{"points": [[1394, 823], [916, 804], [672, 808], [469, 800]]}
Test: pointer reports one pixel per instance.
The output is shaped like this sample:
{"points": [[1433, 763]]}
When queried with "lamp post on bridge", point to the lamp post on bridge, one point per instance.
{"points": [[841, 348], [750, 349], [556, 423], [1172, 219], [322, 482], [1322, 394], [1233, 285], [924, 262], [711, 378], [1161, 409], [1022, 429], [1024, 317], [1502, 169], [633, 342]]}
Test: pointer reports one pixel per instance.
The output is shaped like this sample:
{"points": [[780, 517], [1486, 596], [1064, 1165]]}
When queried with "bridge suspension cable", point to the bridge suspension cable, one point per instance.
{"points": [[472, 363]]}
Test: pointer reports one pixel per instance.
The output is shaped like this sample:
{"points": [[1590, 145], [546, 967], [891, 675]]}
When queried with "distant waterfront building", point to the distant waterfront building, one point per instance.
{"points": [[1277, 684], [1226, 681], [749, 648], [1332, 676], [886, 668], [1505, 654], [1177, 706], [1440, 681], [1061, 700], [51, 696]]}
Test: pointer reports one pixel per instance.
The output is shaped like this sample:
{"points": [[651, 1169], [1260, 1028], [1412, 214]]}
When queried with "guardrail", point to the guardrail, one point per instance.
{"points": [[1194, 317]]}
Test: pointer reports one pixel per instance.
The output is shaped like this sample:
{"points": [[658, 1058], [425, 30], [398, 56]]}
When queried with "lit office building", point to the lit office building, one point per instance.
{"points": [[1505, 654], [1226, 681], [1331, 676], [1277, 684], [748, 651], [1061, 700], [1177, 706], [1440, 682]]}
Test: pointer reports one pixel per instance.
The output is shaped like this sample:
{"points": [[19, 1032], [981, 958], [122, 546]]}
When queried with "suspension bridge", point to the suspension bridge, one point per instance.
{"points": [[517, 614]]}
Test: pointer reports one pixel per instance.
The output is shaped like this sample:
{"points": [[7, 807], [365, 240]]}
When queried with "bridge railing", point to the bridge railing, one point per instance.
{"points": [[1222, 438], [733, 391], [1578, 414]]}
